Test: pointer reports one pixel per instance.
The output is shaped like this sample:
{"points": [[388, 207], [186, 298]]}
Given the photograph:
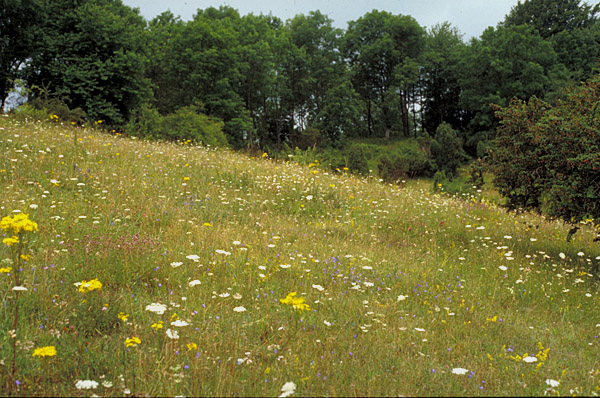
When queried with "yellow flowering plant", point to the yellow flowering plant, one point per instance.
{"points": [[42, 352], [89, 286], [132, 342], [17, 227], [298, 303]]}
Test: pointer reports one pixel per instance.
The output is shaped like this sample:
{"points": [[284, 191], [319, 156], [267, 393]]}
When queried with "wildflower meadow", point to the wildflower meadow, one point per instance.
{"points": [[135, 268]]}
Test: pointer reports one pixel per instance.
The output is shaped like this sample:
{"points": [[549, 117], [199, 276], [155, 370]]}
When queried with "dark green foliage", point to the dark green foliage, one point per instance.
{"points": [[20, 28], [92, 58], [300, 83], [187, 123], [357, 161], [548, 158], [572, 26], [145, 122], [551, 17], [476, 174], [516, 156], [441, 78], [56, 107], [446, 149], [383, 52], [310, 137], [405, 163], [506, 62]]}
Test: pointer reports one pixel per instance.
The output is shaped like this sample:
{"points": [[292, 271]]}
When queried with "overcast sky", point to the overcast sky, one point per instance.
{"points": [[471, 17]]}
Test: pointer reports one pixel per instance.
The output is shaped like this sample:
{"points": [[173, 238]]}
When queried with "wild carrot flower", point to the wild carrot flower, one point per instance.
{"points": [[157, 308], [42, 352], [86, 384], [288, 389]]}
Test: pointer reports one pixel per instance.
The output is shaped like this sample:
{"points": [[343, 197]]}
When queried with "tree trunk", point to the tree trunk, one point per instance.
{"points": [[405, 116]]}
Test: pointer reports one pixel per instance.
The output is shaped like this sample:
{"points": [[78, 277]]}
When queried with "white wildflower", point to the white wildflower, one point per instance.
{"points": [[288, 389]]}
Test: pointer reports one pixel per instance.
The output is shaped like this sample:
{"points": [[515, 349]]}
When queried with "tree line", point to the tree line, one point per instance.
{"points": [[256, 81]]}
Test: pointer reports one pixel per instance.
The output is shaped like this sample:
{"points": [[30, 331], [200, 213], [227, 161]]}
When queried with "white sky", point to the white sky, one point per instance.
{"points": [[471, 17]]}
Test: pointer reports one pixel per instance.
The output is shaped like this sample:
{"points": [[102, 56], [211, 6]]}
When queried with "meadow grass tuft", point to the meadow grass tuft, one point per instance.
{"points": [[171, 269]]}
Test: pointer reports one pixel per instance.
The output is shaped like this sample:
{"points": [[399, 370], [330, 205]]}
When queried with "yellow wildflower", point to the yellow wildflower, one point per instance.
{"points": [[5, 270], [192, 346], [132, 342], [41, 352], [10, 241], [20, 222], [157, 325], [298, 303], [122, 316], [88, 286]]}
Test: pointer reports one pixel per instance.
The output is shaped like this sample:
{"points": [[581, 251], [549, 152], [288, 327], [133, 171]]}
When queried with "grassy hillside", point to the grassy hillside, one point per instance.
{"points": [[399, 291]]}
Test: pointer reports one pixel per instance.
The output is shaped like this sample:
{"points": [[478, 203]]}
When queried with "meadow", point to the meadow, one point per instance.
{"points": [[169, 269]]}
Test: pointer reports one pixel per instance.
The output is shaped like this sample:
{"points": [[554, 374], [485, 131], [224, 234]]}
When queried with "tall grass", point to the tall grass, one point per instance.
{"points": [[410, 292]]}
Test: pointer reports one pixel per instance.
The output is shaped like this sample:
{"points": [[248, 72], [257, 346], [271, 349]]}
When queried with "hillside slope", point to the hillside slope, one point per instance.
{"points": [[398, 291]]}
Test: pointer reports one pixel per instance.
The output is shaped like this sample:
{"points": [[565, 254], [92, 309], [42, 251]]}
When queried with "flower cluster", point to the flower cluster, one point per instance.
{"points": [[42, 352], [298, 303], [17, 224], [132, 342], [88, 286]]}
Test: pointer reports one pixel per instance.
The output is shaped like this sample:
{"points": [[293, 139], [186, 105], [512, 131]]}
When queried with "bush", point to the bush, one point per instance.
{"points": [[446, 149], [40, 109], [357, 161], [145, 123], [404, 163], [26, 111], [188, 124], [185, 124], [548, 158]]}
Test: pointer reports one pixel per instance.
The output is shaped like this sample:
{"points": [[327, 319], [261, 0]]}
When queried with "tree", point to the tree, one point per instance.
{"points": [[548, 158], [383, 52], [92, 58], [161, 31], [447, 150], [504, 63], [202, 60], [551, 17], [441, 78], [571, 26], [20, 27], [323, 96]]}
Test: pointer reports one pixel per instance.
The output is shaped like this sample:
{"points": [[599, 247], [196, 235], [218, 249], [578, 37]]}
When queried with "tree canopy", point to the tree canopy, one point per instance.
{"points": [[262, 82]]}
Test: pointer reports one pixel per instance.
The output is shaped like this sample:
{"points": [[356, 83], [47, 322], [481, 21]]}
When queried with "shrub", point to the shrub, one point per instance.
{"points": [[41, 109], [446, 149], [357, 160], [185, 124], [548, 158], [407, 162], [188, 124], [145, 123]]}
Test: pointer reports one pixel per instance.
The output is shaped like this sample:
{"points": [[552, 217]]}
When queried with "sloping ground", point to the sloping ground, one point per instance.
{"points": [[398, 290]]}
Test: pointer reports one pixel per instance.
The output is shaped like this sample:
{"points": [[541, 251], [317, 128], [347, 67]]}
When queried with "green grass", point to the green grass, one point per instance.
{"points": [[404, 284]]}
